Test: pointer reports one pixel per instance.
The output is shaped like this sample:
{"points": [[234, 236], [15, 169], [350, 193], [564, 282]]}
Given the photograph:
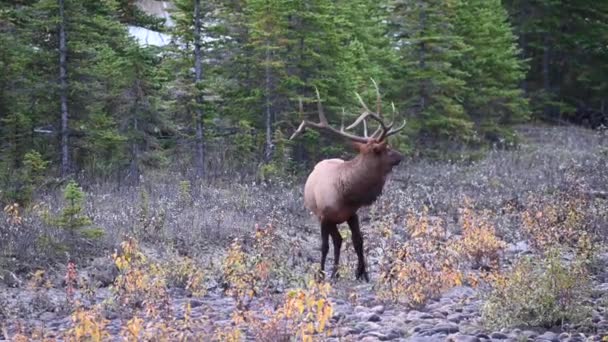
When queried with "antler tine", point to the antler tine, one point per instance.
{"points": [[396, 130], [303, 124], [366, 113], [324, 124], [322, 118], [392, 131], [378, 98]]}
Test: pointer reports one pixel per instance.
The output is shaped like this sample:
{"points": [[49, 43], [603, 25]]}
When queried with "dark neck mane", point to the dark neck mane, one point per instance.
{"points": [[360, 181]]}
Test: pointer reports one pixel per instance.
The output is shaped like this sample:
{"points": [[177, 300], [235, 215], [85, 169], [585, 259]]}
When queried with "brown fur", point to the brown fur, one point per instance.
{"points": [[336, 189]]}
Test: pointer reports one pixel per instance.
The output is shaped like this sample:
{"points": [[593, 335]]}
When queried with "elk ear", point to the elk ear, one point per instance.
{"points": [[380, 147]]}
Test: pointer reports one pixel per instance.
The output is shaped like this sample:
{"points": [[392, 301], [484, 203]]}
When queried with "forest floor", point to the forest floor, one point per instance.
{"points": [[230, 262]]}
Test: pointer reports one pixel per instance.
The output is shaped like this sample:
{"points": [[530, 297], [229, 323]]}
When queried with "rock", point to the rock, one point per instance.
{"points": [[547, 336], [459, 292], [575, 338], [369, 339], [445, 328], [374, 318], [602, 288], [518, 247], [10, 279], [338, 316], [377, 335], [529, 334], [463, 338], [379, 309], [360, 308], [417, 315], [421, 327], [498, 335], [394, 334], [195, 303], [102, 272], [341, 332], [47, 316], [456, 318], [365, 327], [425, 339]]}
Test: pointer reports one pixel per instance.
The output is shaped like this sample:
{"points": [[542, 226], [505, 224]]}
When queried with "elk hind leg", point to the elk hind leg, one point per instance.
{"points": [[353, 223], [337, 240]]}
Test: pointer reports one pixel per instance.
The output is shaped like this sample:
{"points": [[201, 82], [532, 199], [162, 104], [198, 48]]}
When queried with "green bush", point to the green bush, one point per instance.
{"points": [[72, 218], [539, 291], [18, 184]]}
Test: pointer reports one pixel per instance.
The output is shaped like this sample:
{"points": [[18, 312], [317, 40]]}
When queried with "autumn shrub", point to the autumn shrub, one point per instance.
{"points": [[258, 271], [87, 325], [183, 272], [539, 291], [303, 314], [239, 273], [150, 219], [140, 283], [558, 220], [185, 193], [40, 283], [478, 241], [422, 267]]}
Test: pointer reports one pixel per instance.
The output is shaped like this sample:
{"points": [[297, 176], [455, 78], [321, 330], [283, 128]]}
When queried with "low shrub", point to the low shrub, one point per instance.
{"points": [[559, 220], [478, 243], [422, 267], [539, 291]]}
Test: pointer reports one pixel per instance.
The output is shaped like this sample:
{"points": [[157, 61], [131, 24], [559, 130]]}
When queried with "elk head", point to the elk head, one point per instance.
{"points": [[336, 189]]}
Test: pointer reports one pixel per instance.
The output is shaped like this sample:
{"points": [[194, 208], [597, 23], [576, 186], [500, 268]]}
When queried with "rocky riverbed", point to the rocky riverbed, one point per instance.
{"points": [[453, 317]]}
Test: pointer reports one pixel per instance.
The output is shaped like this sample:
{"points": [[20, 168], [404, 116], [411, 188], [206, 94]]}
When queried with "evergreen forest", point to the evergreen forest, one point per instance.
{"points": [[180, 170], [81, 96]]}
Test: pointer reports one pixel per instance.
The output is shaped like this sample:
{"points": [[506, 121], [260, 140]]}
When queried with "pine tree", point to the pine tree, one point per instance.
{"points": [[267, 25], [432, 83], [494, 72], [562, 39]]}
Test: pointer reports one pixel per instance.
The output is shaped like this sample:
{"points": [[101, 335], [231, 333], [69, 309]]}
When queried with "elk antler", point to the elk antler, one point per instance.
{"points": [[380, 134], [384, 131], [324, 124]]}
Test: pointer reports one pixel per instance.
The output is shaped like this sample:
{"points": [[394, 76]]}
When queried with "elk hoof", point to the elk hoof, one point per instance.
{"points": [[335, 274], [321, 275], [362, 274]]}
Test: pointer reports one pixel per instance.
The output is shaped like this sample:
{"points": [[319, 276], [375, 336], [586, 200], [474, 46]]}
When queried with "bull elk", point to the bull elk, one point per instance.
{"points": [[336, 189]]}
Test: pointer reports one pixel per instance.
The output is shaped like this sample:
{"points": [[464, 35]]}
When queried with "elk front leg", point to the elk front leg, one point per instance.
{"points": [[337, 240], [325, 231], [353, 223]]}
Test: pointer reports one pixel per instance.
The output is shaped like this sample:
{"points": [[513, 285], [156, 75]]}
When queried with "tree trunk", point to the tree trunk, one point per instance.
{"points": [[198, 76], [63, 88], [546, 71], [135, 148], [268, 104], [422, 61], [523, 42]]}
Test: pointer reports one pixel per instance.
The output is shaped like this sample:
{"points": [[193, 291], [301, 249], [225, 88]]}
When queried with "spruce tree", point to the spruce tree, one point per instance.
{"points": [[494, 71], [433, 85]]}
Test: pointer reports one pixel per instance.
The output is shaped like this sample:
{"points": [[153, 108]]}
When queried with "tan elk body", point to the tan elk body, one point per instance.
{"points": [[336, 189]]}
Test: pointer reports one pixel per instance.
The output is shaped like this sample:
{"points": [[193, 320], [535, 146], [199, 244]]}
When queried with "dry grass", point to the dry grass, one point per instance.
{"points": [[257, 241]]}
